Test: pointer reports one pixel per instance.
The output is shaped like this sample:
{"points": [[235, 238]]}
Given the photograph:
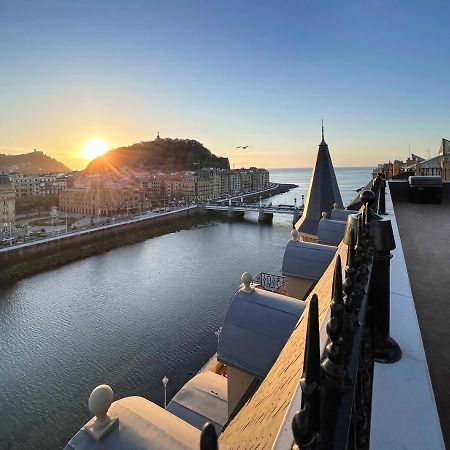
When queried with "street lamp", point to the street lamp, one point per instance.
{"points": [[165, 380]]}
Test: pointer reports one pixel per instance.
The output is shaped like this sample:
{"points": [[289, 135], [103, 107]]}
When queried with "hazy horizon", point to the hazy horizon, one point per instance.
{"points": [[227, 75]]}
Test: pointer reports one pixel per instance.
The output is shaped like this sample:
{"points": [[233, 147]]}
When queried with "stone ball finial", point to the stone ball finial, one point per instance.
{"points": [[246, 279], [367, 197], [294, 235], [335, 206], [99, 402], [324, 215]]}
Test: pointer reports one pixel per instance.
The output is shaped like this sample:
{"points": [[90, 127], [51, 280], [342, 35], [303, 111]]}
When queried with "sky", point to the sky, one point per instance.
{"points": [[227, 74]]}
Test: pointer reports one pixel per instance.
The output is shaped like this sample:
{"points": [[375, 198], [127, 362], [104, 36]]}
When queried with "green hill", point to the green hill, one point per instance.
{"points": [[31, 163], [173, 154]]}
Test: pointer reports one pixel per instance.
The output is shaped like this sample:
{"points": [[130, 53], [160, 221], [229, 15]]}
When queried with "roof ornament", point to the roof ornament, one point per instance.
{"points": [[295, 236], [324, 215], [323, 138], [246, 279], [99, 403]]}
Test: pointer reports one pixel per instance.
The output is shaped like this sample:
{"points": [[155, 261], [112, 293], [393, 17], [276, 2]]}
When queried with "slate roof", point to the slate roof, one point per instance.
{"points": [[322, 194], [202, 399], [341, 214], [331, 232], [306, 259], [255, 328]]}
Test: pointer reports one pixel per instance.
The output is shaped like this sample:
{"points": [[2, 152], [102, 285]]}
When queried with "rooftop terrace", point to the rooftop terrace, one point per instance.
{"points": [[425, 235]]}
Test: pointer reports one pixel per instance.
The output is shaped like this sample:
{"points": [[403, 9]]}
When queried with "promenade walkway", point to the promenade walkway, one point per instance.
{"points": [[117, 223]]}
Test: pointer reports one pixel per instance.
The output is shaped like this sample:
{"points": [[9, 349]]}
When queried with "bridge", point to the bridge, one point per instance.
{"points": [[265, 212]]}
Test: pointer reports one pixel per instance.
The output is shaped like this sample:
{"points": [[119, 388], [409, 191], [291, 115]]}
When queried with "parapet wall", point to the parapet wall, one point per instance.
{"points": [[400, 191]]}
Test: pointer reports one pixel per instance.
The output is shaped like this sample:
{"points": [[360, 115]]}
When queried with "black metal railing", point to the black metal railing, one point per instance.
{"points": [[336, 385], [270, 282], [358, 335]]}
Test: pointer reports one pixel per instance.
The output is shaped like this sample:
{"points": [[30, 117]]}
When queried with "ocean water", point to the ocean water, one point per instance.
{"points": [[349, 179], [128, 317]]}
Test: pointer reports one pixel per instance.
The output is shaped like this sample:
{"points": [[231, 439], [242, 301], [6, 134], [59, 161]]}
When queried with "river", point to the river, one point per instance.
{"points": [[128, 317]]}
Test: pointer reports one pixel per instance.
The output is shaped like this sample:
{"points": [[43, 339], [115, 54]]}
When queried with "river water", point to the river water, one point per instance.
{"points": [[128, 317]]}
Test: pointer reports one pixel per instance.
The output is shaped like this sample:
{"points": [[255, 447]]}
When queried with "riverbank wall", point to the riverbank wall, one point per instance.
{"points": [[52, 245], [18, 263]]}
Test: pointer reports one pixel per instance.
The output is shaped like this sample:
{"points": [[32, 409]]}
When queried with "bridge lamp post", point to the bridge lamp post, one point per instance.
{"points": [[165, 380]]}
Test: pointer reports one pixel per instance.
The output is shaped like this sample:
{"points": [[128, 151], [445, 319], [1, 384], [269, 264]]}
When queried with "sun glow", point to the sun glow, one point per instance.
{"points": [[94, 148]]}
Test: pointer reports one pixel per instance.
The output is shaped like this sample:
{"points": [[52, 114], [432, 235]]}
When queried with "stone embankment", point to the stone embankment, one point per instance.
{"points": [[21, 261]]}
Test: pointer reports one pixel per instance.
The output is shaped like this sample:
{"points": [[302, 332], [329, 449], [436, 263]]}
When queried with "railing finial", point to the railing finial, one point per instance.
{"points": [[208, 437], [99, 403], [295, 236], [306, 422], [246, 279], [349, 285], [333, 364]]}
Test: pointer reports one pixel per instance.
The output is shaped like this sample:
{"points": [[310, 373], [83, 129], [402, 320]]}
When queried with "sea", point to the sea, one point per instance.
{"points": [[129, 317]]}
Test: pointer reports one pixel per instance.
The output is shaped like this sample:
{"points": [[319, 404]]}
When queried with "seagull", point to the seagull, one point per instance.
{"points": [[243, 147]]}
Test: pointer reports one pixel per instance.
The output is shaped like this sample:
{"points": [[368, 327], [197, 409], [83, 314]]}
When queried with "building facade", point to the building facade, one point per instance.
{"points": [[8, 201], [28, 185], [110, 196]]}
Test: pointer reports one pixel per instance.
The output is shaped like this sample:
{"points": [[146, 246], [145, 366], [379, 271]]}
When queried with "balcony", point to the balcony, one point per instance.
{"points": [[271, 282]]}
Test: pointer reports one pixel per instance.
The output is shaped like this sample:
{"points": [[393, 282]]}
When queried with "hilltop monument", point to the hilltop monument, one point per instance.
{"points": [[323, 192]]}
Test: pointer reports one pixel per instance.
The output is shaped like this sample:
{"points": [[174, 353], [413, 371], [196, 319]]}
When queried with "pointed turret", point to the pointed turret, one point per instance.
{"points": [[322, 194]]}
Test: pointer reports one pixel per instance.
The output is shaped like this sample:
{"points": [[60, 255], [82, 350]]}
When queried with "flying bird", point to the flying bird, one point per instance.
{"points": [[244, 147]]}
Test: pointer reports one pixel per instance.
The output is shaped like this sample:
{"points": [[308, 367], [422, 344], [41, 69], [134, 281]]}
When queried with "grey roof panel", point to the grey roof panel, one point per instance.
{"points": [[341, 214], [306, 259], [202, 399], [432, 163], [331, 232], [256, 328]]}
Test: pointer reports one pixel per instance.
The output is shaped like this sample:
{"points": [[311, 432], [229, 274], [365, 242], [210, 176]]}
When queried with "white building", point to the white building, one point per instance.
{"points": [[26, 185]]}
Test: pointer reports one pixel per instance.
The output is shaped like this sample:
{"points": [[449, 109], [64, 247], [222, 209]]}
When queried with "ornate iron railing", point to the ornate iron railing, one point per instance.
{"points": [[336, 385], [271, 282]]}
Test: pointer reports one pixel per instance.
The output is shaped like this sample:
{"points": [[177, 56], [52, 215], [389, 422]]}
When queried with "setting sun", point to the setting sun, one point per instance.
{"points": [[94, 148]]}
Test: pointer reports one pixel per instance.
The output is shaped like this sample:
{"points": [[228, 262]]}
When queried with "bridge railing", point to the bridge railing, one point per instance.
{"points": [[271, 282]]}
